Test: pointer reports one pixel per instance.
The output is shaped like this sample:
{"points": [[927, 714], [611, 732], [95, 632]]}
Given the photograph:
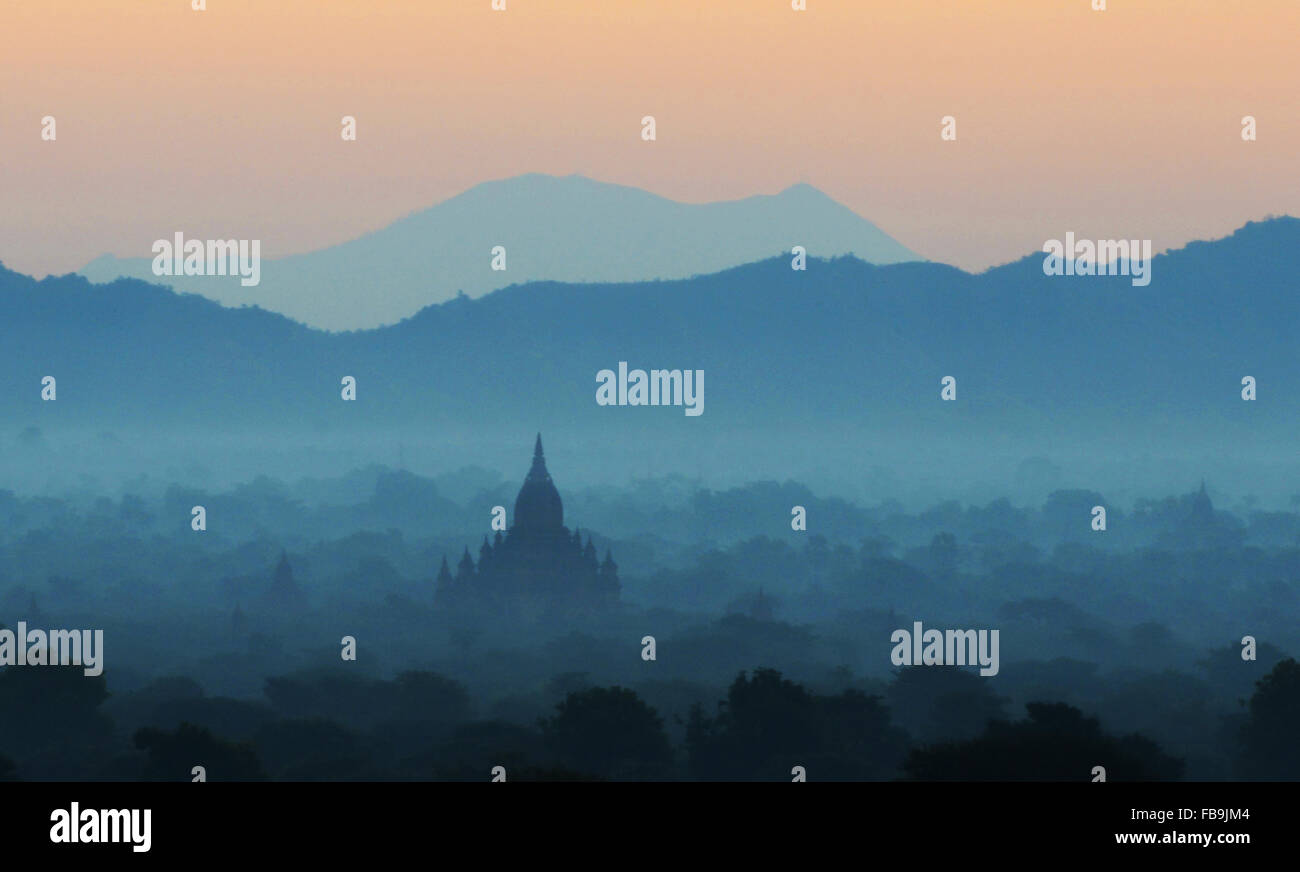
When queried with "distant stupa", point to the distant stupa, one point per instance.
{"points": [[1202, 527], [538, 562], [284, 592]]}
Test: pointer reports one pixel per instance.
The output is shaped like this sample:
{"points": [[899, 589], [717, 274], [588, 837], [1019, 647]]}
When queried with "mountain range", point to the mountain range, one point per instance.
{"points": [[838, 366], [569, 229]]}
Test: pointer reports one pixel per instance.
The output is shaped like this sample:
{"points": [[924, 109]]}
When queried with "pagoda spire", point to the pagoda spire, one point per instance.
{"points": [[538, 469]]}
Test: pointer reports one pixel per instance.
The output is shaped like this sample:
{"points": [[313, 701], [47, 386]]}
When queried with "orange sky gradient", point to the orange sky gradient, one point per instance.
{"points": [[225, 123]]}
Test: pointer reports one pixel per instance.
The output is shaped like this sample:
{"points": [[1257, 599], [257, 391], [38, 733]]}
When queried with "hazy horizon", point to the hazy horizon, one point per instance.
{"points": [[232, 137]]}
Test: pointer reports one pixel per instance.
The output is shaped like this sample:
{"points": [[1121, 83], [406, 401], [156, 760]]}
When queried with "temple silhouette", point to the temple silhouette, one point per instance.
{"points": [[537, 565], [1201, 526]]}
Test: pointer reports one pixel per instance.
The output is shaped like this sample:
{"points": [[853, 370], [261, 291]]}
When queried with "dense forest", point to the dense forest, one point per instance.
{"points": [[738, 647]]}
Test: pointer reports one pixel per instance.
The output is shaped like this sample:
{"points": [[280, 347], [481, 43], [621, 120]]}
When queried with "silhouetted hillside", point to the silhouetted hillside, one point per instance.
{"points": [[842, 355], [567, 228]]}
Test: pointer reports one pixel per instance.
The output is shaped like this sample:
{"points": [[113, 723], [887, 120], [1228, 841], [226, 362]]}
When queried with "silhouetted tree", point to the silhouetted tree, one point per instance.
{"points": [[935, 703], [52, 719], [608, 731], [311, 749], [174, 754], [1056, 743], [769, 724], [1271, 737]]}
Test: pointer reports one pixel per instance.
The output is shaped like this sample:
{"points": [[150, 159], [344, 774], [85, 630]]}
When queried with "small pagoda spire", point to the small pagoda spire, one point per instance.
{"points": [[538, 469]]}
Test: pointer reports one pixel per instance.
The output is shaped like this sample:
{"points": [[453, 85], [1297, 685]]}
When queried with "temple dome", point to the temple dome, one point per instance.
{"points": [[538, 507]]}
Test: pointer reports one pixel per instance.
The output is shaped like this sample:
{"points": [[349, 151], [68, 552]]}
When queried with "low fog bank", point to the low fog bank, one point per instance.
{"points": [[228, 644], [914, 470]]}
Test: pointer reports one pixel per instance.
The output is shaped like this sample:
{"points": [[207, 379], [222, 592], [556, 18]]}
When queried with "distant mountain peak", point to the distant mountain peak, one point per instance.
{"points": [[552, 228], [803, 189]]}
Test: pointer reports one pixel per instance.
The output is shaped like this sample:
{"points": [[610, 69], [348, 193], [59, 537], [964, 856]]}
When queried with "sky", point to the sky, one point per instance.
{"points": [[225, 123]]}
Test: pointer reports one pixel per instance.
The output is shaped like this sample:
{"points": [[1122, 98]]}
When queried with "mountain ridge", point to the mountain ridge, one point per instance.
{"points": [[825, 373], [561, 228], [753, 319]]}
